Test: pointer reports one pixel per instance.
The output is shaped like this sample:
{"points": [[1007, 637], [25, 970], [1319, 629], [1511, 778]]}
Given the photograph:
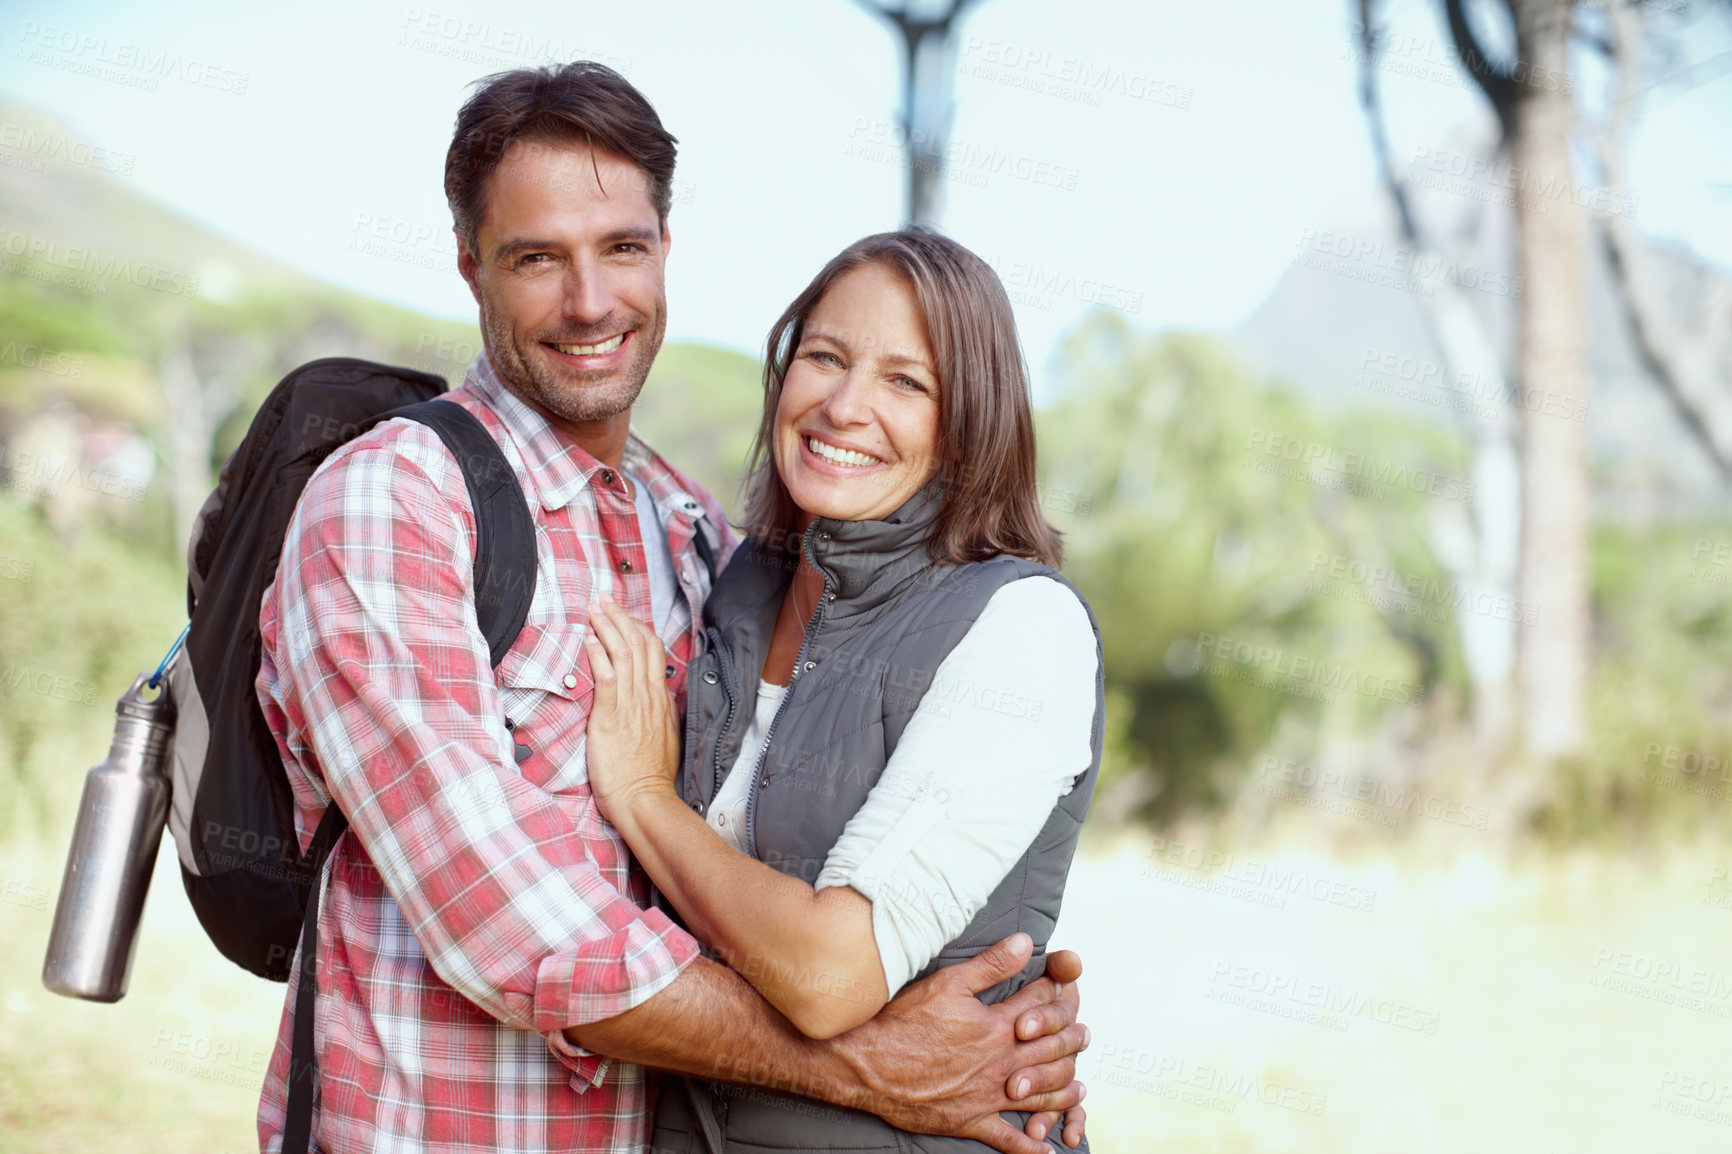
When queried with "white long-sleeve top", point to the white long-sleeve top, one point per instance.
{"points": [[1000, 736]]}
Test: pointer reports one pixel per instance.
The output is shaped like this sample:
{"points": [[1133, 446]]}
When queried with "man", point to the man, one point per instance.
{"points": [[490, 975]]}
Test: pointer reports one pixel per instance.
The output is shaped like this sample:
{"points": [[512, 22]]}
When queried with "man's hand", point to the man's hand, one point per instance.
{"points": [[1063, 968], [936, 1061]]}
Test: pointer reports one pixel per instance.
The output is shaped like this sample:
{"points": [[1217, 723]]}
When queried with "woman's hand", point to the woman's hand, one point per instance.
{"points": [[634, 739]]}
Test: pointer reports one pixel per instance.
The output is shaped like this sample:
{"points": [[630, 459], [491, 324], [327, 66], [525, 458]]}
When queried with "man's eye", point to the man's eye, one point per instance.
{"points": [[533, 258]]}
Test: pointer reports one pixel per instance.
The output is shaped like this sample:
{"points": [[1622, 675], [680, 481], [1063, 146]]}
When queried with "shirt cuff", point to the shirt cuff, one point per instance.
{"points": [[604, 978]]}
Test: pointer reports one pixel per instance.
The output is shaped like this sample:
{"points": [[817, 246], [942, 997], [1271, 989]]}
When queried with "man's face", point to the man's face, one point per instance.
{"points": [[569, 276]]}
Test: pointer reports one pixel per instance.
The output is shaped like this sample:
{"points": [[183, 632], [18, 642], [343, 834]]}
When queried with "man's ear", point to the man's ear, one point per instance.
{"points": [[468, 267]]}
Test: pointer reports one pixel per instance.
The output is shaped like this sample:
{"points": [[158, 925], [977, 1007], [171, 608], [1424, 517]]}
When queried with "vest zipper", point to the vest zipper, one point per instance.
{"points": [[776, 718], [727, 674]]}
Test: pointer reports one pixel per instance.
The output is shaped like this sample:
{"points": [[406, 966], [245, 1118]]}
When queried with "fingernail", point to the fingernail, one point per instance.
{"points": [[1086, 1037], [1030, 1024], [1084, 1094], [1022, 1087]]}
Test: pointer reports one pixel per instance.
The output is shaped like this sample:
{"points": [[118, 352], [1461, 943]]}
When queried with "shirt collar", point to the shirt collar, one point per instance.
{"points": [[558, 469]]}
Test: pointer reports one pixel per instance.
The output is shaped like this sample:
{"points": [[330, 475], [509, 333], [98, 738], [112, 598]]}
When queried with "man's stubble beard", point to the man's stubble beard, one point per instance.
{"points": [[569, 395]]}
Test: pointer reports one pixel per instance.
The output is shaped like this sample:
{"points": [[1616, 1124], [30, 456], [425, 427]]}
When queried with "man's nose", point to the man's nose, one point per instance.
{"points": [[588, 295]]}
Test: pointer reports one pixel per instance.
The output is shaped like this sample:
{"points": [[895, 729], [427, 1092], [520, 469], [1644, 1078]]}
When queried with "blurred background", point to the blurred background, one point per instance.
{"points": [[1383, 358]]}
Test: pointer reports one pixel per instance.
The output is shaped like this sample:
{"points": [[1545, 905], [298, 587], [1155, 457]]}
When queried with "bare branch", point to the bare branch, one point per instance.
{"points": [[1499, 85], [1671, 354]]}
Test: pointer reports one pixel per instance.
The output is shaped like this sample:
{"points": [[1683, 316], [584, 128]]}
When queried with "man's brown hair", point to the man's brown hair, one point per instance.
{"points": [[579, 102], [986, 474]]}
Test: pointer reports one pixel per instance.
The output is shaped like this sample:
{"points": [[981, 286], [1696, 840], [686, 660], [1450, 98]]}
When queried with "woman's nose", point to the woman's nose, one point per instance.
{"points": [[848, 402]]}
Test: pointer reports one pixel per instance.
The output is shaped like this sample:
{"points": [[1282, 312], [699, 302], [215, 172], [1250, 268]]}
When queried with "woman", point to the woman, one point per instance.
{"points": [[894, 729]]}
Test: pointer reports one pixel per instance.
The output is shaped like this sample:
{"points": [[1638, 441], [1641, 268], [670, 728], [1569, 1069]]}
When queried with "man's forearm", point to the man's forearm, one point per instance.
{"points": [[711, 1023]]}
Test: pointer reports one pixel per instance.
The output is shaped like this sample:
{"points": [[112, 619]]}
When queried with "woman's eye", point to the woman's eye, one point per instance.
{"points": [[824, 358], [911, 383]]}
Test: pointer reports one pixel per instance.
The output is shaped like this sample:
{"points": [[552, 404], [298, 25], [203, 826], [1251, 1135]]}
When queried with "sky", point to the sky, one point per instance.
{"points": [[1163, 158]]}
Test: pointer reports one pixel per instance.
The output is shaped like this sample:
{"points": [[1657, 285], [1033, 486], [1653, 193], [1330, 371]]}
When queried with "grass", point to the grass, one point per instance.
{"points": [[1477, 989]]}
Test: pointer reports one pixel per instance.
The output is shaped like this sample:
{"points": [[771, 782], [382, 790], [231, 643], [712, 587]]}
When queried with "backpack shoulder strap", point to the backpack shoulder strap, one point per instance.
{"points": [[504, 529]]}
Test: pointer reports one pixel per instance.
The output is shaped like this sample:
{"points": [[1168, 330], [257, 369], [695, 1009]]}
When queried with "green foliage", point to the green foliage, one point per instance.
{"points": [[1204, 564], [79, 620], [700, 409]]}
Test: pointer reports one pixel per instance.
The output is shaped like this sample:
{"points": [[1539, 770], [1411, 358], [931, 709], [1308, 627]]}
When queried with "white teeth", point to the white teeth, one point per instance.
{"points": [[591, 350], [840, 456]]}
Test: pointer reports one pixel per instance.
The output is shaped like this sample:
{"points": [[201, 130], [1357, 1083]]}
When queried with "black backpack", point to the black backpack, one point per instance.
{"points": [[232, 812]]}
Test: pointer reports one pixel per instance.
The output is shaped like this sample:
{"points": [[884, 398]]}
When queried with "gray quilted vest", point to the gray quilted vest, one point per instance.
{"points": [[887, 618]]}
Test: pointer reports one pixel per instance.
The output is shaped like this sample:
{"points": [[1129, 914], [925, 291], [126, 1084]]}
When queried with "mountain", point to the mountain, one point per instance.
{"points": [[1347, 324]]}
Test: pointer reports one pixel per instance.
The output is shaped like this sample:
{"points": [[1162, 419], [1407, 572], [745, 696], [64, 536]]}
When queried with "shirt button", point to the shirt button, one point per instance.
{"points": [[607, 476], [710, 677], [624, 566], [811, 665], [670, 672], [571, 681]]}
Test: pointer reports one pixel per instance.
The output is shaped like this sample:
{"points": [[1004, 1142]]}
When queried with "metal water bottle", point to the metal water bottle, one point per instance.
{"points": [[113, 853]]}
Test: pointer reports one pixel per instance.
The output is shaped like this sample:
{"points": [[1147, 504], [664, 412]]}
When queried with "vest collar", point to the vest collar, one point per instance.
{"points": [[868, 562]]}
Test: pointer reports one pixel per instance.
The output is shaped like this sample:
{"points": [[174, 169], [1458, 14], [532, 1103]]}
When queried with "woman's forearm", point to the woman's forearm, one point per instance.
{"points": [[811, 954]]}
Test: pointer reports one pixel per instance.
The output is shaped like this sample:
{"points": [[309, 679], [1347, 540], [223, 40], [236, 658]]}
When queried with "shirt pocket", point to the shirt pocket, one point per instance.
{"points": [[546, 688]]}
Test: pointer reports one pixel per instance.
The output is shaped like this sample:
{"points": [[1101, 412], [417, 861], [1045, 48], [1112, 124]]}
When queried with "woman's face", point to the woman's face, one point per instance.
{"points": [[857, 423]]}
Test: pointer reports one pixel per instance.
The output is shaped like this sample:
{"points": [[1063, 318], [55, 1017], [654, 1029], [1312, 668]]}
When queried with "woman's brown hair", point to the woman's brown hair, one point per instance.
{"points": [[986, 475]]}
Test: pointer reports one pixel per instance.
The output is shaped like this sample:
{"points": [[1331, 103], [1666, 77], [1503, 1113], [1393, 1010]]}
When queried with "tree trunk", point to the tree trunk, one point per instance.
{"points": [[1553, 652]]}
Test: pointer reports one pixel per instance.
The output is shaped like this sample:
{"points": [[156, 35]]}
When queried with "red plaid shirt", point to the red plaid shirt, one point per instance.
{"points": [[477, 904]]}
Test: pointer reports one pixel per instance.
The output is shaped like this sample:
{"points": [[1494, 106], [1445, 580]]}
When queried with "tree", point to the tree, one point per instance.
{"points": [[1531, 98]]}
